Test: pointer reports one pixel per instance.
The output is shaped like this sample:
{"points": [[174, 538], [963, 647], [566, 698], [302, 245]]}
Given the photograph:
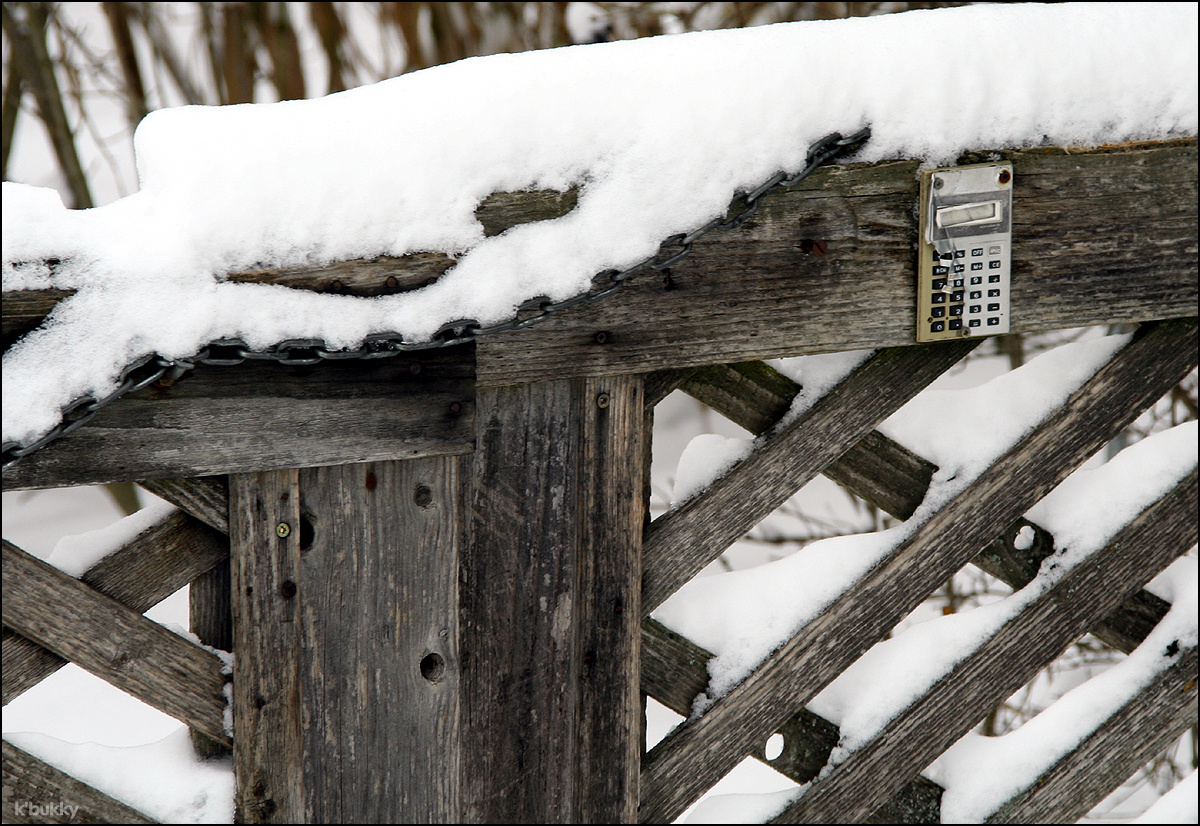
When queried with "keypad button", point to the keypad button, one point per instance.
{"points": [[960, 253], [993, 293], [976, 293], [976, 265], [956, 296], [994, 249], [956, 324], [978, 251], [956, 309], [974, 322], [956, 282], [994, 308], [994, 265], [937, 326], [993, 279], [941, 270], [945, 256], [939, 283], [938, 298], [993, 322], [976, 280], [938, 312], [959, 267], [974, 308]]}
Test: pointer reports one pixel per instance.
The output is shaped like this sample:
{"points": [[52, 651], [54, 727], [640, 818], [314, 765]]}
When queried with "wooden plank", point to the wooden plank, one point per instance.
{"points": [[550, 604], [690, 759], [674, 671], [113, 642], [204, 497], [681, 542], [142, 573], [267, 714], [893, 478], [1140, 729], [1081, 224], [259, 416], [1002, 663], [36, 792], [210, 618], [381, 742], [24, 310]]}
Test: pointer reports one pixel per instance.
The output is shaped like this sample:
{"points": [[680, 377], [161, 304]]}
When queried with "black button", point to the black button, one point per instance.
{"points": [[976, 265], [993, 293], [993, 279], [956, 324], [993, 322], [976, 280], [973, 322], [959, 267], [937, 326], [940, 270], [956, 295], [976, 293], [956, 309], [938, 298], [937, 312], [993, 265], [946, 256], [956, 282], [959, 253], [939, 283], [993, 308], [974, 308], [978, 251]]}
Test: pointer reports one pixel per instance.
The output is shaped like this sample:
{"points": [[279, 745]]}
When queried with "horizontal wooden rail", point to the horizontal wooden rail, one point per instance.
{"points": [[34, 783], [148, 569], [697, 753], [114, 642]]}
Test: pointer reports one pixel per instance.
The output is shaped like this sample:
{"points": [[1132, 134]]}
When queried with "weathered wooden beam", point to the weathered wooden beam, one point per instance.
{"points": [[113, 642], [550, 615], [204, 497], [258, 416], [1000, 665], [1112, 751], [697, 753], [1082, 223], [681, 542], [148, 569], [24, 310], [32, 786]]}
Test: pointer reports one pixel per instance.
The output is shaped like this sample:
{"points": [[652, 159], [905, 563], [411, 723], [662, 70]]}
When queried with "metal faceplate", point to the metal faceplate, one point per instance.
{"points": [[964, 251]]}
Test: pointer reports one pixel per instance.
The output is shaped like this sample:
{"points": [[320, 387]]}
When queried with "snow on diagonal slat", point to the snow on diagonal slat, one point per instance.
{"points": [[680, 768]]}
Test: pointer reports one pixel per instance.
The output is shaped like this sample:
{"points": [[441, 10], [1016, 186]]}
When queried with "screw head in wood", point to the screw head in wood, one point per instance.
{"points": [[288, 589], [602, 400], [282, 530]]}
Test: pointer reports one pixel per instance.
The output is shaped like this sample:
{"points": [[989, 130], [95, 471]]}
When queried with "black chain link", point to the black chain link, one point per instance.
{"points": [[306, 351]]}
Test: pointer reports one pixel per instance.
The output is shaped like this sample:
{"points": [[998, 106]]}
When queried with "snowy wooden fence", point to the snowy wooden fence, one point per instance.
{"points": [[436, 572]]}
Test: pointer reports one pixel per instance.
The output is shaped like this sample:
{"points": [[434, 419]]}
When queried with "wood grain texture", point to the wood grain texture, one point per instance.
{"points": [[112, 641], [204, 497], [682, 766], [210, 618], [140, 574], [1113, 750], [28, 780], [259, 416], [682, 541], [1081, 225], [380, 676], [268, 746], [24, 310], [1002, 663], [550, 604]]}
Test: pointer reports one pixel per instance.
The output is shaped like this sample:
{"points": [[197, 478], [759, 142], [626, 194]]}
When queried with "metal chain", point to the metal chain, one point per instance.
{"points": [[304, 351]]}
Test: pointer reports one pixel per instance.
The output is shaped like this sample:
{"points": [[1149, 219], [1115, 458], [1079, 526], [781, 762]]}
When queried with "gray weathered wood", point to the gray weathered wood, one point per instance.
{"points": [[28, 780], [690, 759], [142, 573], [204, 497], [503, 210], [113, 642], [380, 675], [210, 618], [550, 615], [268, 749], [1140, 729], [259, 416], [756, 293], [24, 310], [1002, 663], [681, 542]]}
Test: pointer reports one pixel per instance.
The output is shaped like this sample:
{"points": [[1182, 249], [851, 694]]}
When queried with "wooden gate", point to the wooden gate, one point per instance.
{"points": [[435, 573]]}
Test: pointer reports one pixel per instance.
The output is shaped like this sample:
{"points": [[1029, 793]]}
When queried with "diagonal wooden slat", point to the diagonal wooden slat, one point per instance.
{"points": [[114, 642], [1003, 663], [1141, 728], [696, 754], [204, 497], [893, 478], [28, 780], [681, 542], [145, 571]]}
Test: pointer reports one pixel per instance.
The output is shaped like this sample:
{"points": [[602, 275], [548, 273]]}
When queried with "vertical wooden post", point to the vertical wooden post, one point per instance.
{"points": [[346, 621], [550, 604], [211, 620]]}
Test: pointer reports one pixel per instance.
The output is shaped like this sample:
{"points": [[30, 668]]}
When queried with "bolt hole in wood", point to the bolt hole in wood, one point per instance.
{"points": [[433, 667], [423, 496], [306, 533], [774, 746]]}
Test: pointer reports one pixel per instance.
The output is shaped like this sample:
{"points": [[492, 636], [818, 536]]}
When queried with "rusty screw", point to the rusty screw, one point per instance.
{"points": [[392, 282], [283, 530], [815, 247], [1005, 176], [602, 337], [455, 408], [415, 368], [603, 400], [336, 286], [288, 589]]}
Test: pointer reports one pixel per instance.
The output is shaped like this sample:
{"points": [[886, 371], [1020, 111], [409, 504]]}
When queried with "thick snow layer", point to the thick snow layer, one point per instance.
{"points": [[1176, 806], [658, 133]]}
